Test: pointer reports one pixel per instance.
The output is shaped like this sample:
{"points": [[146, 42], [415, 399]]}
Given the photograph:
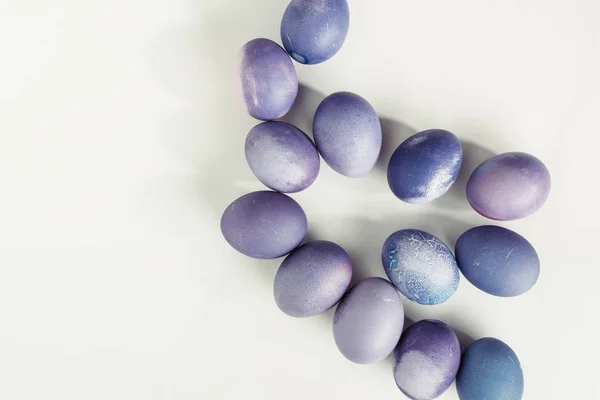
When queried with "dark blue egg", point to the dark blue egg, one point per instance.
{"points": [[497, 260]]}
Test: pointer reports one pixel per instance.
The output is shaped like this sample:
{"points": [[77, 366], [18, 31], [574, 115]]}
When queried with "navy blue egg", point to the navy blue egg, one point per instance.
{"points": [[424, 166], [489, 369], [497, 260]]}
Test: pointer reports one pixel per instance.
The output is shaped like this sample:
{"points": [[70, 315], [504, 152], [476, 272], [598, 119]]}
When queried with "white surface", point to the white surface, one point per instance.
{"points": [[122, 143]]}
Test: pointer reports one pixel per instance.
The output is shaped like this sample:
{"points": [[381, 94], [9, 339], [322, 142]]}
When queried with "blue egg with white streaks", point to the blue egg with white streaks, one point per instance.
{"points": [[497, 260], [424, 166]]}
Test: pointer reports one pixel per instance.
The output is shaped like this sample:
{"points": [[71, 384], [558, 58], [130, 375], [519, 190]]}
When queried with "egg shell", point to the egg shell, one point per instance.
{"points": [[347, 133], [368, 321], [426, 359], [489, 369], [509, 186], [420, 265], [264, 224], [312, 279], [424, 166], [268, 79], [497, 260], [313, 31]]}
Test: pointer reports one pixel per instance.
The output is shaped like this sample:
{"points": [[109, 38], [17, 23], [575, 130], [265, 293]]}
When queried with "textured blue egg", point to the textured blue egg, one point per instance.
{"points": [[312, 31], [489, 369], [424, 166], [497, 260]]}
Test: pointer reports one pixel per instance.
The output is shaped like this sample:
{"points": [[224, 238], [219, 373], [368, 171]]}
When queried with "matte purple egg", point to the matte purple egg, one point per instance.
{"points": [[264, 224], [509, 186], [312, 279], [368, 321], [268, 79]]}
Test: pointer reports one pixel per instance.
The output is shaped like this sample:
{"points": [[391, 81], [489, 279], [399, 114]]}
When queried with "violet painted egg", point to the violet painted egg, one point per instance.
{"points": [[426, 359], [347, 133], [312, 279], [312, 31], [509, 186], [489, 369], [282, 157], [497, 260], [268, 79], [424, 166], [264, 224], [368, 321]]}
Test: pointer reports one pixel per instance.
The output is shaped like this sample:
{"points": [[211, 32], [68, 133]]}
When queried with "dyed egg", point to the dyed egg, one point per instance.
{"points": [[313, 31], [312, 279], [424, 166], [426, 360], [489, 369], [509, 186], [420, 265], [368, 321], [264, 224], [347, 133], [268, 79], [497, 260], [282, 157]]}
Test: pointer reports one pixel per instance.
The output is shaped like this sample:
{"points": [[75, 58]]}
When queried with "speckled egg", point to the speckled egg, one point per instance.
{"points": [[509, 186], [368, 321], [347, 133], [426, 359], [264, 224], [312, 31], [497, 260], [489, 369], [424, 166], [312, 279], [268, 79], [420, 265]]}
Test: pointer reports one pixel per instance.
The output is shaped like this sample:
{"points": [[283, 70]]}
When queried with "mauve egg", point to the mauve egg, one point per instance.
{"points": [[264, 224], [426, 359], [312, 31], [420, 265], [489, 369], [347, 133], [268, 79], [497, 260], [368, 321], [509, 186], [312, 279], [424, 166]]}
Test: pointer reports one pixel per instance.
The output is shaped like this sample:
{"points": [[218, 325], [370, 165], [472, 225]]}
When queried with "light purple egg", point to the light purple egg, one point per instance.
{"points": [[264, 224], [347, 133], [282, 157], [268, 79], [509, 186], [312, 279], [368, 321]]}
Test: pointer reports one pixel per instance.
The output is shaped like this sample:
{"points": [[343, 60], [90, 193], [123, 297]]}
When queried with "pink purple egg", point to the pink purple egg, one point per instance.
{"points": [[509, 186], [264, 224], [312, 279]]}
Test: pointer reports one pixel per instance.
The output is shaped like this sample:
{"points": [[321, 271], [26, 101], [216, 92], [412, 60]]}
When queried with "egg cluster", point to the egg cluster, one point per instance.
{"points": [[315, 276]]}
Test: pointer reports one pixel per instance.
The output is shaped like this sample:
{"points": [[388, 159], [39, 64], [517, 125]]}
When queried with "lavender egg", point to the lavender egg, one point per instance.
{"points": [[424, 166], [420, 265], [268, 79], [264, 224], [347, 133], [312, 31], [282, 157], [426, 360], [368, 321], [509, 186], [497, 260], [312, 279]]}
